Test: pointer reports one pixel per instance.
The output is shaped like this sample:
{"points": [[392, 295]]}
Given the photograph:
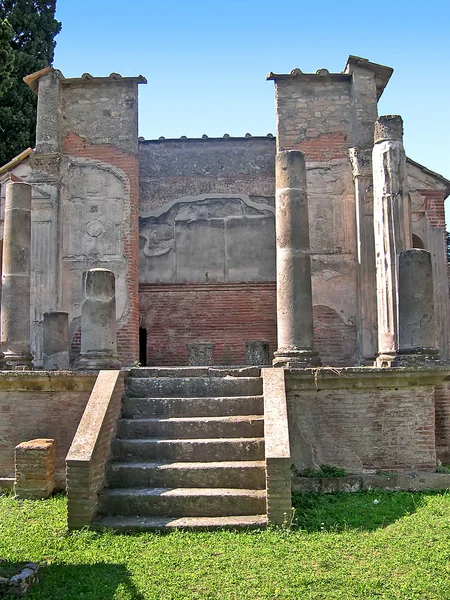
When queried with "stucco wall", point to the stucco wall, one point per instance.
{"points": [[207, 211], [207, 246]]}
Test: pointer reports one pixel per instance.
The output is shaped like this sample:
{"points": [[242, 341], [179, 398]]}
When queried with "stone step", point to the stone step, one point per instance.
{"points": [[191, 407], [192, 427], [218, 371], [187, 387], [130, 523], [190, 450], [183, 502], [238, 474]]}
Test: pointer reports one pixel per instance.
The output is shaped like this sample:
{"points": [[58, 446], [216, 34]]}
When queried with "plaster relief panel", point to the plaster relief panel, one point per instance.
{"points": [[200, 250], [94, 223], [94, 213], [203, 239], [251, 249]]}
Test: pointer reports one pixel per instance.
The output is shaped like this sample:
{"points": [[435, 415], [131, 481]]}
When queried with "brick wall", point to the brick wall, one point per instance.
{"points": [[324, 147], [89, 454], [127, 333], [433, 206], [75, 346], [333, 338], [442, 403], [224, 314], [314, 116], [365, 426], [228, 315], [33, 406]]}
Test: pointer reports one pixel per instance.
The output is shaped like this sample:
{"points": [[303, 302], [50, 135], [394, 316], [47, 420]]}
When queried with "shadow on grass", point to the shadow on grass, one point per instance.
{"points": [[365, 511], [88, 581]]}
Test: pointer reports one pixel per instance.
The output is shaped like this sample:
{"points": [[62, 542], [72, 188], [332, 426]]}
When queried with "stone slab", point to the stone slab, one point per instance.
{"points": [[393, 482]]}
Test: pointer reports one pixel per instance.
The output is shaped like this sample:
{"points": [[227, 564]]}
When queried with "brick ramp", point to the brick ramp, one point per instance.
{"points": [[189, 452]]}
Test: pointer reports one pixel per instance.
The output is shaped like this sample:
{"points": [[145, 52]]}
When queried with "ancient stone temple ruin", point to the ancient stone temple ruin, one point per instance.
{"points": [[285, 297]]}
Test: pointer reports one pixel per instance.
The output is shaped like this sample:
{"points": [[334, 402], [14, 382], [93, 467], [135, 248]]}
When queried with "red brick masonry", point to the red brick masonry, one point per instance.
{"points": [[225, 314]]}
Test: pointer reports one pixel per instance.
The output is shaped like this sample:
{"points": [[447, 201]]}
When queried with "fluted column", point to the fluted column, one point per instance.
{"points": [[15, 303], [392, 228], [361, 160], [294, 293]]}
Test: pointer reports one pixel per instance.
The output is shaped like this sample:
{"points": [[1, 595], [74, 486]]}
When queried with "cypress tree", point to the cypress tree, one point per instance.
{"points": [[27, 32]]}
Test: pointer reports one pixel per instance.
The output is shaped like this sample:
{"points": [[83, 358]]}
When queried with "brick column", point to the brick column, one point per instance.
{"points": [[294, 293]]}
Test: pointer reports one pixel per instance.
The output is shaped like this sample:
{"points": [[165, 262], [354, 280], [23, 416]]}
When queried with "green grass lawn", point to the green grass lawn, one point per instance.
{"points": [[341, 546]]}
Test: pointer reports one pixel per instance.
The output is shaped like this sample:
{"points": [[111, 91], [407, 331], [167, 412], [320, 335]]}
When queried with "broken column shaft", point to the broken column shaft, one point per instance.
{"points": [[392, 228], [294, 293], [15, 303], [98, 322], [416, 309]]}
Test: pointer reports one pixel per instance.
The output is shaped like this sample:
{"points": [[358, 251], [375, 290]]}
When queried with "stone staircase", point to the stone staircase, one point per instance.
{"points": [[189, 451]]}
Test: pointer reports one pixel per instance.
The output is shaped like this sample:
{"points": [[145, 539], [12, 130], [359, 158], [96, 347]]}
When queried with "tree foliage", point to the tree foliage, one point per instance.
{"points": [[27, 32]]}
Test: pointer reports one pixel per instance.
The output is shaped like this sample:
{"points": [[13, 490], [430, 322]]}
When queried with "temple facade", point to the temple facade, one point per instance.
{"points": [[188, 225]]}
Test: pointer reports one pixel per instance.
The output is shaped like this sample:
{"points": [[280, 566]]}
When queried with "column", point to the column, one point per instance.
{"points": [[15, 303], [55, 348], [392, 228], [294, 293], [98, 322], [365, 251], [417, 333]]}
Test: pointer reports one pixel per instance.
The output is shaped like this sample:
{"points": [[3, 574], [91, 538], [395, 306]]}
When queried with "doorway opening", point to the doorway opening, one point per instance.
{"points": [[142, 346]]}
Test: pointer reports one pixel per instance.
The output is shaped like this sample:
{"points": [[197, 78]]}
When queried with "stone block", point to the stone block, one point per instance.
{"points": [[257, 353], [34, 469], [19, 584], [201, 354]]}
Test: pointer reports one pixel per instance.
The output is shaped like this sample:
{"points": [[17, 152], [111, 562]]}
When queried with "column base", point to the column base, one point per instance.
{"points": [[296, 358], [414, 357], [97, 361], [16, 361]]}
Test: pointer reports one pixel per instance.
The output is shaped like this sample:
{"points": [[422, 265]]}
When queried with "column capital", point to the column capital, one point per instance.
{"points": [[388, 127], [361, 159]]}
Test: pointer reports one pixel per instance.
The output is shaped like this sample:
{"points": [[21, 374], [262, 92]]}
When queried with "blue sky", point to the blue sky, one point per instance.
{"points": [[206, 61]]}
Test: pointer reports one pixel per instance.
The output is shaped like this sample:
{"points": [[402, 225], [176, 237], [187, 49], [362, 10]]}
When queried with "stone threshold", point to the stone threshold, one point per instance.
{"points": [[201, 371], [408, 481]]}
